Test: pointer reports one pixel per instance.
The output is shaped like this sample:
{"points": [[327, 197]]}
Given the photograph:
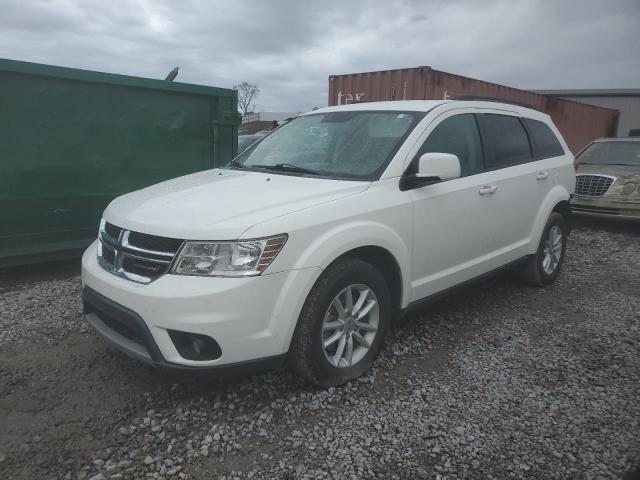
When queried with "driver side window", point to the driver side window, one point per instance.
{"points": [[459, 136]]}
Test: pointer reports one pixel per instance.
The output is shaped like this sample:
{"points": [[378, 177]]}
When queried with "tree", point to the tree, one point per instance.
{"points": [[247, 92]]}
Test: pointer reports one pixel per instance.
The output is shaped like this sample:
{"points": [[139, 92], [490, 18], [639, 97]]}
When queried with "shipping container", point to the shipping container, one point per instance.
{"points": [[72, 140], [579, 123]]}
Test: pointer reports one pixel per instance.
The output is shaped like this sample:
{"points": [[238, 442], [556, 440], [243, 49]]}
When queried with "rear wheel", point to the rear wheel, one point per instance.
{"points": [[545, 265], [342, 325]]}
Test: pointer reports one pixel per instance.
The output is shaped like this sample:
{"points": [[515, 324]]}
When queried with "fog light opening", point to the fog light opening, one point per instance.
{"points": [[195, 346]]}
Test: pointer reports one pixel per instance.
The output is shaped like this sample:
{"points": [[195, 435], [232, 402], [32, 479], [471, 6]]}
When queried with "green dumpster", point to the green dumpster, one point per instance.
{"points": [[72, 140]]}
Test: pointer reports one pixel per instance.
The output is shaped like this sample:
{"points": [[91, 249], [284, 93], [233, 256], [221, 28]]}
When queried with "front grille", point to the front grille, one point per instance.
{"points": [[143, 267], [120, 320], [136, 256], [112, 231], [593, 185], [108, 254], [123, 328], [152, 242]]}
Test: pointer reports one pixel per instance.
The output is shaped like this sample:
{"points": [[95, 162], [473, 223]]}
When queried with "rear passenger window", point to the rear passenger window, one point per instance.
{"points": [[545, 142], [505, 140], [457, 135]]}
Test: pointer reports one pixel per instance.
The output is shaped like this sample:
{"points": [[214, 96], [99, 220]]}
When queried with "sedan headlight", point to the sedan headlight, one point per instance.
{"points": [[228, 259], [628, 188]]}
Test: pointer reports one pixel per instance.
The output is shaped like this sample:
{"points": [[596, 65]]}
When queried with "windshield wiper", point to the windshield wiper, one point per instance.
{"points": [[287, 167]]}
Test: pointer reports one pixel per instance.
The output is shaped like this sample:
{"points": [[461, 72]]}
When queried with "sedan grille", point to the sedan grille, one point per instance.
{"points": [[593, 185], [136, 256]]}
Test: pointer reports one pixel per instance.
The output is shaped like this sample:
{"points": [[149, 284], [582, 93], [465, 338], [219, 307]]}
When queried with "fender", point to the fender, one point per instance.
{"points": [[325, 248], [340, 239], [557, 194]]}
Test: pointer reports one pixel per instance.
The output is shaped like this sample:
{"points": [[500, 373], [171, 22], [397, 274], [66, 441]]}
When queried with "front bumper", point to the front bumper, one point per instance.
{"points": [[606, 207], [251, 318]]}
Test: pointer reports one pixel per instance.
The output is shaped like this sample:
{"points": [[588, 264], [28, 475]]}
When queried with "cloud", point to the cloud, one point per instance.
{"points": [[289, 48]]}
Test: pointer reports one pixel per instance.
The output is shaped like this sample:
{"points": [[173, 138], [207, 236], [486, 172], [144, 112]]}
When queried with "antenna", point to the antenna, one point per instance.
{"points": [[172, 74]]}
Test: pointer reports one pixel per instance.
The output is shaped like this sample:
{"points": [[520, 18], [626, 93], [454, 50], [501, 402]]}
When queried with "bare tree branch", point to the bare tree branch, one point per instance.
{"points": [[247, 92]]}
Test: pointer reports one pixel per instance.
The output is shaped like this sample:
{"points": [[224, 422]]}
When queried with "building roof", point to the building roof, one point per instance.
{"points": [[592, 92]]}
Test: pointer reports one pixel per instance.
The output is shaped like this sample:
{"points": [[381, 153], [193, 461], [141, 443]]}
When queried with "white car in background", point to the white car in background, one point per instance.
{"points": [[313, 240]]}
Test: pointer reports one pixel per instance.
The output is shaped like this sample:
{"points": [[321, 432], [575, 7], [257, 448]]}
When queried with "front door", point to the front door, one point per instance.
{"points": [[454, 221]]}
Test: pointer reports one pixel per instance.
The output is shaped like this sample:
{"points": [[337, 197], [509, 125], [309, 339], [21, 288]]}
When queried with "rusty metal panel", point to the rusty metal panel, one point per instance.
{"points": [[579, 123]]}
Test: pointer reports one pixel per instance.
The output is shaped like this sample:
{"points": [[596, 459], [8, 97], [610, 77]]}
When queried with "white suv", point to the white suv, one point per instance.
{"points": [[314, 239]]}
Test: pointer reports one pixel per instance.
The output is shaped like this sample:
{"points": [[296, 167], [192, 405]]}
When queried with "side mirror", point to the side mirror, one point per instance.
{"points": [[432, 168], [438, 166]]}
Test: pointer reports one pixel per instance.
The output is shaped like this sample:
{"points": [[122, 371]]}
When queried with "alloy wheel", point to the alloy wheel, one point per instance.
{"points": [[350, 325], [552, 250]]}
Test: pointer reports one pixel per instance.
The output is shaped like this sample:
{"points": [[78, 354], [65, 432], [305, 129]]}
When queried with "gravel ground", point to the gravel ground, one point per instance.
{"points": [[500, 381], [43, 306]]}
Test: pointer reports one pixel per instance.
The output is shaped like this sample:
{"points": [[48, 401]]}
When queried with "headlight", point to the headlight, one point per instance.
{"points": [[628, 188], [228, 259]]}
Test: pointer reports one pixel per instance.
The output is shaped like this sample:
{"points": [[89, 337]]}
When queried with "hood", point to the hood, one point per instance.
{"points": [[623, 173], [221, 204]]}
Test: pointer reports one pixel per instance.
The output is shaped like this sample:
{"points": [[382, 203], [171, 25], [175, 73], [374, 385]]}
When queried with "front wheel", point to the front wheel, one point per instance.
{"points": [[544, 266], [342, 325]]}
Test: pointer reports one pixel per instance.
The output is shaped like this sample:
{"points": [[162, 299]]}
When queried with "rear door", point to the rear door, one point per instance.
{"points": [[521, 184]]}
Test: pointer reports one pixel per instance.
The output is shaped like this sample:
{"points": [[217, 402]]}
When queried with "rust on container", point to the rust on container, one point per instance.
{"points": [[579, 123]]}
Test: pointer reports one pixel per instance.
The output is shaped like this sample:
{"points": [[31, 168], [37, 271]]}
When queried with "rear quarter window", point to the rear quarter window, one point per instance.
{"points": [[544, 142]]}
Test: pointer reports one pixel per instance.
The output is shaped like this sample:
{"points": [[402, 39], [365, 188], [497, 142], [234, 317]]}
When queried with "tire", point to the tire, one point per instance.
{"points": [[308, 356], [536, 272]]}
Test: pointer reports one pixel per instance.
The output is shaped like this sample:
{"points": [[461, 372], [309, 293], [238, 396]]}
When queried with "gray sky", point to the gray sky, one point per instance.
{"points": [[289, 48]]}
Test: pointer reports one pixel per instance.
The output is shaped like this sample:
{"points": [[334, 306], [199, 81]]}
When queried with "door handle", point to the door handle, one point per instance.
{"points": [[542, 176], [488, 190]]}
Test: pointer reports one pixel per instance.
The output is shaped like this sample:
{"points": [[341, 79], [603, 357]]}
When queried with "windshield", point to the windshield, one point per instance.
{"points": [[349, 145], [245, 141], [611, 153]]}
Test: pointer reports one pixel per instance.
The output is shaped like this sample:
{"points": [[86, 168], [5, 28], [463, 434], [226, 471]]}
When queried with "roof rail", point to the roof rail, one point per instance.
{"points": [[492, 99]]}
